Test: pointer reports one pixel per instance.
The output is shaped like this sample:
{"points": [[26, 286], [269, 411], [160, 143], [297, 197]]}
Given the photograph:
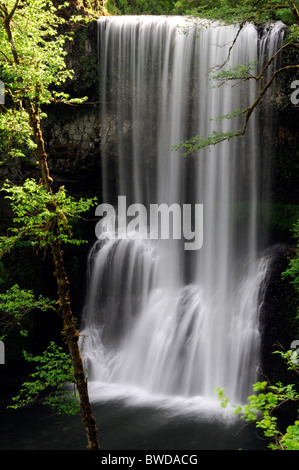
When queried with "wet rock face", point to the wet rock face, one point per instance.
{"points": [[74, 137], [277, 315], [73, 142]]}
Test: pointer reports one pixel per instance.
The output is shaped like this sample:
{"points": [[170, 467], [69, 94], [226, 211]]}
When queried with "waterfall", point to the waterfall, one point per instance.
{"points": [[167, 320]]}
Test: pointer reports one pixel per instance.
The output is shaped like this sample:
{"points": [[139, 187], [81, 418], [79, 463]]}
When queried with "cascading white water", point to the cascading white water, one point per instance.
{"points": [[170, 321]]}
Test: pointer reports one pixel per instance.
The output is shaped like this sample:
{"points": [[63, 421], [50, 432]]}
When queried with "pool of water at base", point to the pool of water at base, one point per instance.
{"points": [[131, 421]]}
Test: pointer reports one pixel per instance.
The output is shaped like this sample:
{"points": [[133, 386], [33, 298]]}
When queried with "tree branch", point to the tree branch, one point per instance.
{"points": [[7, 20], [3, 9], [11, 14], [253, 16], [216, 137], [7, 58], [260, 75], [233, 44], [263, 91], [294, 11], [289, 44]]}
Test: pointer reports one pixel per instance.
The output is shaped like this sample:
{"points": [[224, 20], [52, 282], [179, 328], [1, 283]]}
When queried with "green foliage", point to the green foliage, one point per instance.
{"points": [[224, 10], [293, 33], [140, 7], [290, 440], [231, 115], [262, 405], [40, 49], [31, 70], [232, 11], [199, 142], [293, 269], [89, 67], [53, 371], [238, 72], [15, 133], [40, 216], [16, 303]]}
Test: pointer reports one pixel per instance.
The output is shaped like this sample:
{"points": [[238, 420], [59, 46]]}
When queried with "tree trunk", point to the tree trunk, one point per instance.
{"points": [[70, 332], [71, 337]]}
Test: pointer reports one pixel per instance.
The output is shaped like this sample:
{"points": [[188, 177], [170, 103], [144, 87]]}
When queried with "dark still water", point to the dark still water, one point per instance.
{"points": [[131, 423]]}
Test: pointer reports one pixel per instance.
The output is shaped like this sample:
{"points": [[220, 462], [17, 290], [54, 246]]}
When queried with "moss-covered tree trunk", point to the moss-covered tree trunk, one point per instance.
{"points": [[72, 339], [70, 331]]}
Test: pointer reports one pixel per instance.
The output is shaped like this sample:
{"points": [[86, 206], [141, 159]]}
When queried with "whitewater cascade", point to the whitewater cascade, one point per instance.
{"points": [[169, 321]]}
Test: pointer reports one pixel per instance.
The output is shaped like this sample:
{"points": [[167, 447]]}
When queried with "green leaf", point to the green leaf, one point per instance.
{"points": [[261, 406], [41, 217], [16, 303], [53, 373]]}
